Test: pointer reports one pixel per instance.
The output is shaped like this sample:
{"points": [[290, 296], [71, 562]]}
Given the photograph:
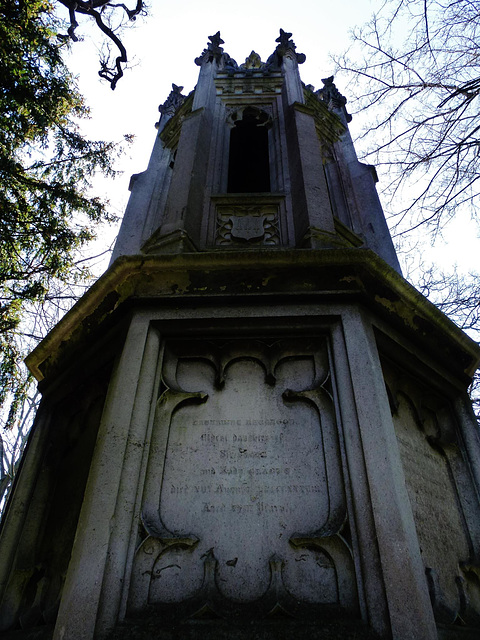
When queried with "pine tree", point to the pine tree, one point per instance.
{"points": [[46, 168]]}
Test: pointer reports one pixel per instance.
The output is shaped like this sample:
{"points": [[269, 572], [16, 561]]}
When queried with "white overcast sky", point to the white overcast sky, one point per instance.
{"points": [[162, 48]]}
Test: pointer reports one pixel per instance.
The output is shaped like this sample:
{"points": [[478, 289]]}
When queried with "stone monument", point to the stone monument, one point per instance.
{"points": [[252, 426]]}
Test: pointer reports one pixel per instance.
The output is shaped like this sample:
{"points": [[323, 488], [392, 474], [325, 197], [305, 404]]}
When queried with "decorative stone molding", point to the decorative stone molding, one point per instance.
{"points": [[173, 102], [170, 134], [252, 62], [332, 96], [200, 535], [264, 117], [213, 51], [243, 221], [286, 48]]}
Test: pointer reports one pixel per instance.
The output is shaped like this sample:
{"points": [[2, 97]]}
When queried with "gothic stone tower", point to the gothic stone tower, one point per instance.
{"points": [[252, 425]]}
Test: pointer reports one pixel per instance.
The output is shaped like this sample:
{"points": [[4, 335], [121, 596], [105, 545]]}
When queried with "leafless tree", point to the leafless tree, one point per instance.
{"points": [[18, 413], [12, 445], [415, 66], [415, 85], [458, 296], [104, 14]]}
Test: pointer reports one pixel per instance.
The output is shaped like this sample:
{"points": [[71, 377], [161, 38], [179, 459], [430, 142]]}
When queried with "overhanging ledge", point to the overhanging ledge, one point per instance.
{"points": [[270, 274]]}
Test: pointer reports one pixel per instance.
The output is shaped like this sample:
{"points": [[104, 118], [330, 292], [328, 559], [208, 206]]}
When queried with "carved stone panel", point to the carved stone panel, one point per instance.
{"points": [[442, 497], [244, 503], [69, 426], [250, 223]]}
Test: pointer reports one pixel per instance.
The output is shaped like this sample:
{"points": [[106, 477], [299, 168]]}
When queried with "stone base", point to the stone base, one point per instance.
{"points": [[149, 628], [275, 629], [316, 405], [35, 633]]}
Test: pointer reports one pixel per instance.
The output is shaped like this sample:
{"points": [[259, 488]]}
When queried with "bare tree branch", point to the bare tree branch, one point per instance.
{"points": [[99, 11], [422, 95], [414, 72]]}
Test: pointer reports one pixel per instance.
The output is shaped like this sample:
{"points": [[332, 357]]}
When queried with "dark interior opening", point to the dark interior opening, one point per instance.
{"points": [[248, 164]]}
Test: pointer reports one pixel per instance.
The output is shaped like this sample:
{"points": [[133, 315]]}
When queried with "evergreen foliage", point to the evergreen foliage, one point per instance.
{"points": [[46, 168]]}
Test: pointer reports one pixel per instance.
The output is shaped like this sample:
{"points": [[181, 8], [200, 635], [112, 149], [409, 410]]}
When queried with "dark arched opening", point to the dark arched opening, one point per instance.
{"points": [[248, 164]]}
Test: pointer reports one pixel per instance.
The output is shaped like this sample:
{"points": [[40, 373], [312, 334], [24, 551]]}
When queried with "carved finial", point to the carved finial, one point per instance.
{"points": [[173, 102], [284, 39], [332, 96], [213, 51], [285, 46], [252, 62], [215, 42]]}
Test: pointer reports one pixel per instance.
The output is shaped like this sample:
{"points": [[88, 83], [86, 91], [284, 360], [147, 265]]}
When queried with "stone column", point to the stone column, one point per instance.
{"points": [[312, 211], [181, 226], [95, 576], [293, 89], [404, 581]]}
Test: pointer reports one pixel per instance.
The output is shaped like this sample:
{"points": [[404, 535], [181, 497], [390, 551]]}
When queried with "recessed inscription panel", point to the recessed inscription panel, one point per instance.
{"points": [[442, 494], [435, 506], [256, 475], [244, 493]]}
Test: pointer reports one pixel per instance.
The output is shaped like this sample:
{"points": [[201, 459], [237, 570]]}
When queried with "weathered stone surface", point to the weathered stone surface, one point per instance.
{"points": [[38, 633], [441, 492], [37, 536], [279, 629], [351, 273], [244, 495], [220, 453], [308, 160]]}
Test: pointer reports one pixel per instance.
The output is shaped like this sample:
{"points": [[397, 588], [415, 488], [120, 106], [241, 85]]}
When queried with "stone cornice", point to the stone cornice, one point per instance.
{"points": [[285, 275]]}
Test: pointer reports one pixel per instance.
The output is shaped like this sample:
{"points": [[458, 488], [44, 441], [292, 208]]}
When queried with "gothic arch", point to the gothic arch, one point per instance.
{"points": [[249, 156]]}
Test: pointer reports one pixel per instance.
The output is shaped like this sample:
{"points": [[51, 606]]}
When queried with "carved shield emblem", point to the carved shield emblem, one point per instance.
{"points": [[248, 227]]}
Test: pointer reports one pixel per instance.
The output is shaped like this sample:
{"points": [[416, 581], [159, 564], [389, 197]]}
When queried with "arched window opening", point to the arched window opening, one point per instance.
{"points": [[248, 165]]}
